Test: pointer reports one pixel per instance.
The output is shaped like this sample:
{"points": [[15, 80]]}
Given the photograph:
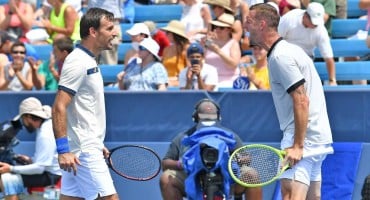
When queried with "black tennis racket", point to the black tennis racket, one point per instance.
{"points": [[134, 162]]}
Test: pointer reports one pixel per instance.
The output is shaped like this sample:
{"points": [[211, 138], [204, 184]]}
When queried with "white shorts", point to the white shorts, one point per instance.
{"points": [[93, 178], [308, 169]]}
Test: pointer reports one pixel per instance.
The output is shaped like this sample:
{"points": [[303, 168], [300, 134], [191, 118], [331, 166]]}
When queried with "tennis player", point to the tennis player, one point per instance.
{"points": [[79, 113], [299, 101]]}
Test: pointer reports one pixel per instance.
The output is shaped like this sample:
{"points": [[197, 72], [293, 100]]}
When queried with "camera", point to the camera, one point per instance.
{"points": [[194, 62], [209, 156], [8, 131]]}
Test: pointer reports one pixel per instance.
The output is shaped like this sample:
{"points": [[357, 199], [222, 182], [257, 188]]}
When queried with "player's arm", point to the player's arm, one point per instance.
{"points": [[62, 100], [300, 109]]}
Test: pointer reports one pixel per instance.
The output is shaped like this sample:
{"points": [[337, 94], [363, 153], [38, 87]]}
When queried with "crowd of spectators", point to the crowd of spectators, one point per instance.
{"points": [[215, 26]]}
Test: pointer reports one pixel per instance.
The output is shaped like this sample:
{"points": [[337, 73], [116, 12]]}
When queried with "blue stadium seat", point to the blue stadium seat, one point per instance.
{"points": [[122, 49], [353, 11], [347, 48], [355, 70], [157, 13], [109, 72], [43, 51], [342, 28]]}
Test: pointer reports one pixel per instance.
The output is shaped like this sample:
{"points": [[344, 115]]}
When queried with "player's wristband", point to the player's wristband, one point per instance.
{"points": [[62, 145]]}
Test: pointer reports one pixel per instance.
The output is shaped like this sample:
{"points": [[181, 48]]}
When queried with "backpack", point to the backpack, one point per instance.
{"points": [[365, 192]]}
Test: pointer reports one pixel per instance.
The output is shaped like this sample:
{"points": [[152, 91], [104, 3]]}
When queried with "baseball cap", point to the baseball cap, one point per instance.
{"points": [[138, 28], [316, 12], [195, 48], [33, 106], [207, 110]]}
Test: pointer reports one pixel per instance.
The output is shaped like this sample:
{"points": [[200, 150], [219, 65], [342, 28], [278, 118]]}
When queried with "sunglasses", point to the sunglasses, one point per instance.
{"points": [[18, 52], [218, 27], [141, 48]]}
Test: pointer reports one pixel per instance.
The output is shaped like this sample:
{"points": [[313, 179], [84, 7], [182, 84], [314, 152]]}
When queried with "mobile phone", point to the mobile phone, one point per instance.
{"points": [[194, 62], [209, 42]]}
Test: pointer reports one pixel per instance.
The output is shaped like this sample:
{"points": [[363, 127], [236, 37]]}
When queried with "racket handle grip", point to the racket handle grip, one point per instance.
{"points": [[321, 151]]}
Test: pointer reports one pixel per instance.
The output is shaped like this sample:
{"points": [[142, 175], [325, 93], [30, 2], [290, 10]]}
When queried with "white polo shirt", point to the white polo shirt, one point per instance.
{"points": [[293, 31], [81, 78], [290, 67]]}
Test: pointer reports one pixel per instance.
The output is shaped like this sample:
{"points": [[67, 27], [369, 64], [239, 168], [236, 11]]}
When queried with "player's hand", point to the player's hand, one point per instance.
{"points": [[293, 155], [4, 167], [68, 162], [106, 152]]}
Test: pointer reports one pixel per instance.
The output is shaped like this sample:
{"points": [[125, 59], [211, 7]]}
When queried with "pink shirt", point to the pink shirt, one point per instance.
{"points": [[225, 74]]}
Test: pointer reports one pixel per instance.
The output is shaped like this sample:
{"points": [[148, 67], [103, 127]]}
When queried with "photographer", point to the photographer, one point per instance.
{"points": [[44, 169], [172, 181], [200, 75]]}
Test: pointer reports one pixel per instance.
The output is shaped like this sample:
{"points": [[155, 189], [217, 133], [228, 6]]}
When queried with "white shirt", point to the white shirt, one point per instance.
{"points": [[208, 74], [45, 157], [288, 65], [291, 29], [81, 77]]}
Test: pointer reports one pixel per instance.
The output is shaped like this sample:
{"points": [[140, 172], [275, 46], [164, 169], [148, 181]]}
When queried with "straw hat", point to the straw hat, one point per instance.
{"points": [[223, 3], [224, 20], [175, 26]]}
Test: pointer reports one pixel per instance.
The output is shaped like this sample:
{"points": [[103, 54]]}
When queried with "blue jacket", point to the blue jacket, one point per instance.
{"points": [[214, 137]]}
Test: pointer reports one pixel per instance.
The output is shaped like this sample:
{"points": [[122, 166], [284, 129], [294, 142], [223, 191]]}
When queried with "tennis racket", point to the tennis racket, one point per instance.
{"points": [[257, 165], [134, 162]]}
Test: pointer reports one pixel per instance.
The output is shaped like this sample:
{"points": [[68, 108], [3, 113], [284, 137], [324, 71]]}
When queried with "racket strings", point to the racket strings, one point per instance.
{"points": [[256, 165], [135, 162]]}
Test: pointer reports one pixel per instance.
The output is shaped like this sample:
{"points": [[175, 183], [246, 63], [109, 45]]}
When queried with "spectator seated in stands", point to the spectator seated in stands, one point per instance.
{"points": [[138, 32], [63, 22], [158, 35], [148, 75], [222, 51], [46, 75], [7, 42], [17, 74], [174, 56], [220, 7], [16, 18], [199, 75], [196, 17], [257, 73]]}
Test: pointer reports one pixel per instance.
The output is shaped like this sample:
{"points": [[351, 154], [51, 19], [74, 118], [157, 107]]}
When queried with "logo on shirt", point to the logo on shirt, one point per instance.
{"points": [[92, 70]]}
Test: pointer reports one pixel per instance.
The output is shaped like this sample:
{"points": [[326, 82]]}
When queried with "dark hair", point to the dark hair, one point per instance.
{"points": [[64, 44], [92, 19], [267, 13], [18, 44]]}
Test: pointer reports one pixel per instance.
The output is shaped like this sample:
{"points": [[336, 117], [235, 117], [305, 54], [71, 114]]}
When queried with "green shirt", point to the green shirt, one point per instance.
{"points": [[50, 82]]}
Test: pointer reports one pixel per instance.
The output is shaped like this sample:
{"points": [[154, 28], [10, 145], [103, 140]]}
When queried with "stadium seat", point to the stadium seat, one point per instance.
{"points": [[157, 13], [347, 48], [355, 70], [343, 28], [122, 49], [109, 72], [43, 51], [353, 11]]}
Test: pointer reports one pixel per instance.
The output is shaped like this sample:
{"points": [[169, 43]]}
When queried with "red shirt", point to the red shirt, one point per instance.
{"points": [[161, 38]]}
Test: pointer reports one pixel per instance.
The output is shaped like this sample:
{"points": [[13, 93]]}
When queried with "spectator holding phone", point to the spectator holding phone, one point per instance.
{"points": [[199, 75]]}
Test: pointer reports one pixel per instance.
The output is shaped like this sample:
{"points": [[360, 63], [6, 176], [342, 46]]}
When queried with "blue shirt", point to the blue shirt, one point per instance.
{"points": [[145, 78]]}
